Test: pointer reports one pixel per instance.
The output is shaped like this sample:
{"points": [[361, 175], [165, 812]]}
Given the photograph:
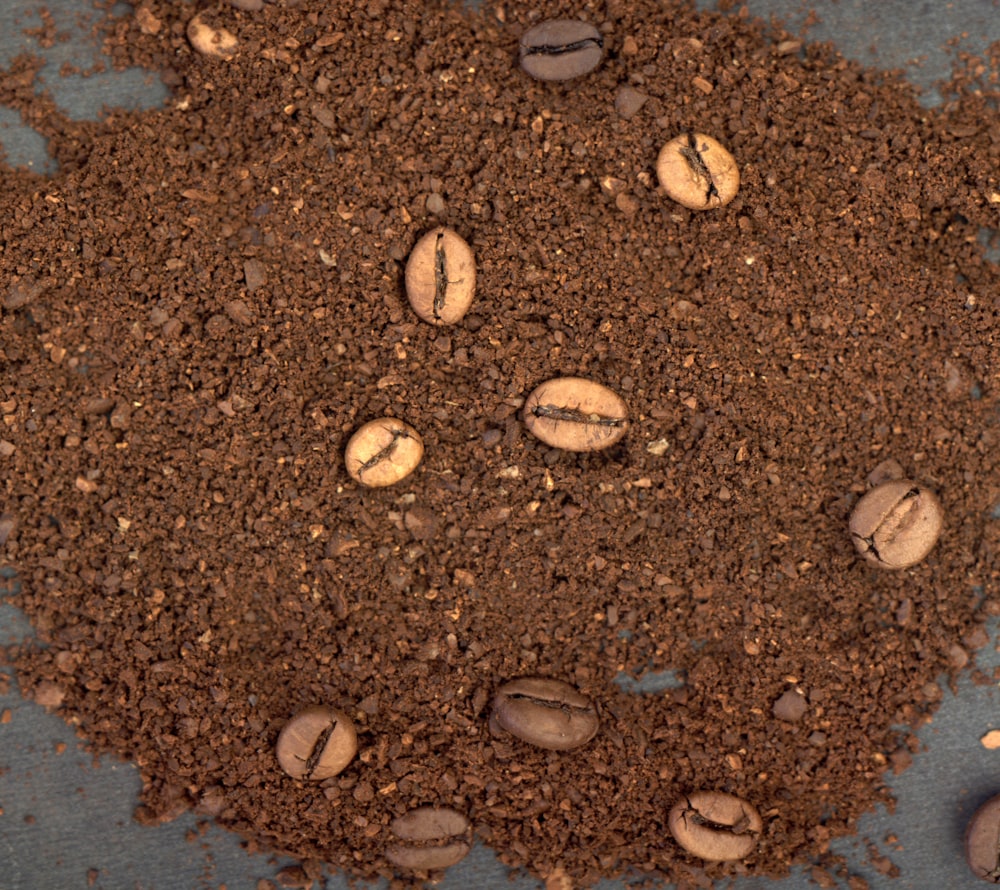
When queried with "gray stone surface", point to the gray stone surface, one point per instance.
{"points": [[66, 817]]}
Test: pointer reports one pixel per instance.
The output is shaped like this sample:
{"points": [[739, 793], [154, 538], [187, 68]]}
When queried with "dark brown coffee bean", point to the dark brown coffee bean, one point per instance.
{"points": [[715, 826], [383, 451], [896, 524], [561, 49], [547, 713], [982, 841], [428, 838], [698, 172], [576, 414], [317, 743], [441, 277]]}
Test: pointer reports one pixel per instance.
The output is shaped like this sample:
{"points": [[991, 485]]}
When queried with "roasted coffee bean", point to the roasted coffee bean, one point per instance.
{"points": [[209, 41], [317, 743], [561, 49], [896, 524], [698, 172], [383, 451], [441, 277], [576, 414], [547, 713], [982, 841], [428, 838], [715, 826]]}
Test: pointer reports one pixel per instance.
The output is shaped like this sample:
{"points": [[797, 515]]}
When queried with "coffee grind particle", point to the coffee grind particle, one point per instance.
{"points": [[199, 564]]}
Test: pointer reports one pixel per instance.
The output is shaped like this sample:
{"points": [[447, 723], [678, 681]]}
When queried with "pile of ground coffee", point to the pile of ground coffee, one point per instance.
{"points": [[208, 300]]}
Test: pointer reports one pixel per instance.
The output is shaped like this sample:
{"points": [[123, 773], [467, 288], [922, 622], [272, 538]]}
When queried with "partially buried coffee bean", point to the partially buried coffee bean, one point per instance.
{"points": [[715, 826], [441, 277], [544, 712], [428, 838], [209, 41], [383, 452], [561, 49], [317, 743], [982, 841], [576, 414], [696, 171], [896, 524]]}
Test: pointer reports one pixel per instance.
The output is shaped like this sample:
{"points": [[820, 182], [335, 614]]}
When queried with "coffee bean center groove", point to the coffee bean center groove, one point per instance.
{"points": [[317, 752], [382, 455], [440, 275], [560, 49], [575, 415], [692, 155]]}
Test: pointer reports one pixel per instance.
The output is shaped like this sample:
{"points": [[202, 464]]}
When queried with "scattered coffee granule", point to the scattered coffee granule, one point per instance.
{"points": [[207, 301]]}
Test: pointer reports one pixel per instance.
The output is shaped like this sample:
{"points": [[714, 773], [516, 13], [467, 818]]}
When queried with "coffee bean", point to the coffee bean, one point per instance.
{"points": [[547, 713], [715, 826], [428, 838], [896, 524], [209, 41], [982, 841], [317, 743], [561, 49], [383, 451], [576, 414], [698, 172], [441, 277]]}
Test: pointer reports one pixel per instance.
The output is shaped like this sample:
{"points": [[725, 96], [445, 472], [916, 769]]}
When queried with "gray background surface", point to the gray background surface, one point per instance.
{"points": [[64, 815]]}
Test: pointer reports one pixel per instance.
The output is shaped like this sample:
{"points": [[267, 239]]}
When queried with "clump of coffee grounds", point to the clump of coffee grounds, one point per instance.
{"points": [[207, 300]]}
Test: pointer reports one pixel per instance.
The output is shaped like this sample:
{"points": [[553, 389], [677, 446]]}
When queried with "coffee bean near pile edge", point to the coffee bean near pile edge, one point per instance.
{"points": [[429, 838], [383, 452], [696, 171], [715, 826], [544, 712], [561, 49], [317, 743], [982, 841], [896, 524], [576, 414], [441, 277]]}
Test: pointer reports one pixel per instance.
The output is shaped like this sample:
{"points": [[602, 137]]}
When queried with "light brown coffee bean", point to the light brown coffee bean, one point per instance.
{"points": [[441, 277], [576, 414], [982, 841], [896, 524], [428, 838], [544, 712], [209, 41], [383, 451], [715, 826], [698, 172], [561, 49], [317, 743]]}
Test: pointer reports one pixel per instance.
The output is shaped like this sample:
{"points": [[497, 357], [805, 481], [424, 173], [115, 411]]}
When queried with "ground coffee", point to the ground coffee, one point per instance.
{"points": [[208, 300]]}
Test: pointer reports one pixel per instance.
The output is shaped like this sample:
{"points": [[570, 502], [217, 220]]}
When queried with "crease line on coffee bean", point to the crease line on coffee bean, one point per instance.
{"points": [[692, 155], [440, 275], [318, 748], [743, 826], [568, 707], [869, 545], [575, 415], [385, 453], [558, 50]]}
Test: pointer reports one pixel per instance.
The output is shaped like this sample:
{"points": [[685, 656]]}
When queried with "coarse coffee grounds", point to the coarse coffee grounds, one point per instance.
{"points": [[207, 301]]}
